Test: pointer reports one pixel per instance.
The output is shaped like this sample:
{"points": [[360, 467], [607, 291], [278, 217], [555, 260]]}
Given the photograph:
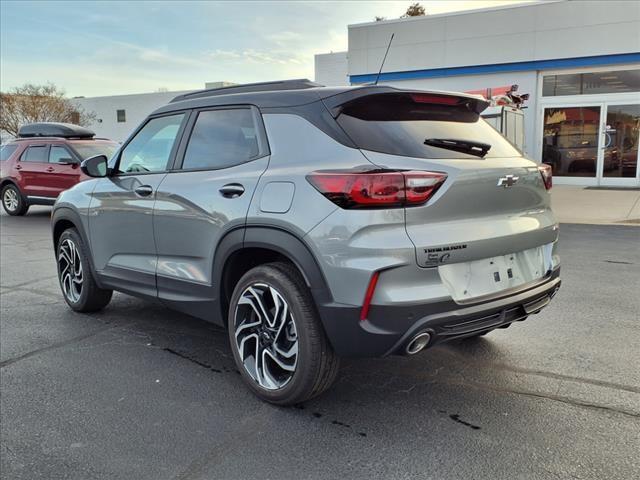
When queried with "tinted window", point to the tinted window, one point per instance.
{"points": [[6, 151], [35, 154], [570, 140], [59, 154], [589, 83], [396, 124], [150, 149], [91, 150], [221, 138]]}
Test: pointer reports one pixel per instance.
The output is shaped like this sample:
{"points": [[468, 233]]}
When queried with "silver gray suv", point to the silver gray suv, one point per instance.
{"points": [[315, 223]]}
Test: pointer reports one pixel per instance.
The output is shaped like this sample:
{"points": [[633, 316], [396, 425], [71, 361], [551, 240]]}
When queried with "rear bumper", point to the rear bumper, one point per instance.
{"points": [[389, 328]]}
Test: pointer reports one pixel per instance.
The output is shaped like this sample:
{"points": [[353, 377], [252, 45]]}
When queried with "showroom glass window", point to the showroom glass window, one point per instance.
{"points": [[617, 81], [221, 138], [621, 138], [570, 140]]}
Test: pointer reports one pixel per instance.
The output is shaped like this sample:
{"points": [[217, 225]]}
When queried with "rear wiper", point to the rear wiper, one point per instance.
{"points": [[478, 149]]}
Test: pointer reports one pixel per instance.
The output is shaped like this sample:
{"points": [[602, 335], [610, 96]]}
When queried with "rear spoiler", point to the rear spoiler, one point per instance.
{"points": [[475, 103]]}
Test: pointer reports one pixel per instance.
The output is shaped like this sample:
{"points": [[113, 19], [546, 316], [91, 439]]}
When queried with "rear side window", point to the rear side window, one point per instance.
{"points": [[221, 138], [399, 124], [6, 151], [35, 154], [150, 149]]}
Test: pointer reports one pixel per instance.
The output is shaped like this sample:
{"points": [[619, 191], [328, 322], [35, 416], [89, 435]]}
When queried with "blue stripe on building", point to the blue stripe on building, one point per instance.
{"points": [[599, 60]]}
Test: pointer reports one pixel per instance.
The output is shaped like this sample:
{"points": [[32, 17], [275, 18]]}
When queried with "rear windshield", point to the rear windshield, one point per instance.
{"points": [[88, 150], [6, 151], [399, 124]]}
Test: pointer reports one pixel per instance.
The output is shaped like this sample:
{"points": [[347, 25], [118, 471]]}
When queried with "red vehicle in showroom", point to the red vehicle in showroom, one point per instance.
{"points": [[44, 161]]}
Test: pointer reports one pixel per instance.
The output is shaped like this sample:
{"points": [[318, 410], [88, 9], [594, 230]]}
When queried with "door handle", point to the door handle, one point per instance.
{"points": [[144, 190], [232, 190], [50, 169]]}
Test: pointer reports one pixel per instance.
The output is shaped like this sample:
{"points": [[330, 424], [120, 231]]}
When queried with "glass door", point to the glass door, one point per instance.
{"points": [[619, 145], [570, 140]]}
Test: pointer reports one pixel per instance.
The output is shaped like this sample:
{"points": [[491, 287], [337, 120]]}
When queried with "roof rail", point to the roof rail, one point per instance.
{"points": [[297, 84]]}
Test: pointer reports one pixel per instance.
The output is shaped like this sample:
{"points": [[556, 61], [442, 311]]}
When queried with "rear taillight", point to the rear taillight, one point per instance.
{"points": [[377, 189], [547, 177]]}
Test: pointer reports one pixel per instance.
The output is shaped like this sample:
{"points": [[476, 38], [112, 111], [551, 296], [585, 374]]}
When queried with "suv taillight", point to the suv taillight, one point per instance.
{"points": [[377, 189], [547, 177]]}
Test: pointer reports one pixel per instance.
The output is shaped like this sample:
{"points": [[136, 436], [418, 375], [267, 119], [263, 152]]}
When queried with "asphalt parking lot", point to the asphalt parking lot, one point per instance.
{"points": [[140, 392]]}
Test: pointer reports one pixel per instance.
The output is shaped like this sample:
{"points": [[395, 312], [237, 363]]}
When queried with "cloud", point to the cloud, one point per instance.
{"points": [[225, 54], [92, 48], [100, 19], [263, 57], [285, 38]]}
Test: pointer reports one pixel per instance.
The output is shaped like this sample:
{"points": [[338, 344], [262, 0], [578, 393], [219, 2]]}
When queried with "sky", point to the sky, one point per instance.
{"points": [[122, 47]]}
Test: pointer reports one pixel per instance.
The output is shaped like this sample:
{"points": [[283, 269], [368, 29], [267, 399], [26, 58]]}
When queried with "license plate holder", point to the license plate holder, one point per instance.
{"points": [[477, 278]]}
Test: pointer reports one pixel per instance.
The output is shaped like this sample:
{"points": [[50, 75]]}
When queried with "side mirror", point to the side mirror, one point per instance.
{"points": [[95, 166]]}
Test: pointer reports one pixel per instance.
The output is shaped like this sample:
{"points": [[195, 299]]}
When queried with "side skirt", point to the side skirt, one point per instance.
{"points": [[35, 200]]}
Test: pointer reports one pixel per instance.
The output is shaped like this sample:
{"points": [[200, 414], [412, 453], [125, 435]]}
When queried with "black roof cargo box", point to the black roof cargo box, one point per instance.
{"points": [[52, 129]]}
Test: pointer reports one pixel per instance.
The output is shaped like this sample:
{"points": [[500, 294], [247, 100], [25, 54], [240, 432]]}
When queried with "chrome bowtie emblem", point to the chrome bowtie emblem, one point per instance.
{"points": [[507, 181]]}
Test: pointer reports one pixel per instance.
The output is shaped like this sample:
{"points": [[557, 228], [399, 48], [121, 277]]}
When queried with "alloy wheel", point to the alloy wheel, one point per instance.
{"points": [[70, 268], [10, 199], [266, 336]]}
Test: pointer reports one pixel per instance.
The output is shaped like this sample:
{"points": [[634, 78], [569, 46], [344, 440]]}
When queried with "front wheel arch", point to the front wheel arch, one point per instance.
{"points": [[64, 218]]}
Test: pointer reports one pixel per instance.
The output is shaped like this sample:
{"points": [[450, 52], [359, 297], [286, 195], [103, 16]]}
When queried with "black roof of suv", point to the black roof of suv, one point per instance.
{"points": [[316, 103], [292, 93]]}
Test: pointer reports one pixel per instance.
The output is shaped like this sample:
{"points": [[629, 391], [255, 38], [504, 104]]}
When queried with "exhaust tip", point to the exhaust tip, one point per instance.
{"points": [[418, 343]]}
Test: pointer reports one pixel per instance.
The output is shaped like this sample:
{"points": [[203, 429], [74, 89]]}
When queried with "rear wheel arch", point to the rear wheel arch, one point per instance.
{"points": [[22, 203], [244, 249], [303, 362], [11, 181]]}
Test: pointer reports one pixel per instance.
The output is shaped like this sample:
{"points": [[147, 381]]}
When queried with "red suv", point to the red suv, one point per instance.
{"points": [[44, 161]]}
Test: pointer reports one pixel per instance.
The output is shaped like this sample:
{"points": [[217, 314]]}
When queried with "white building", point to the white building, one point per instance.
{"points": [[331, 69], [579, 61], [118, 115]]}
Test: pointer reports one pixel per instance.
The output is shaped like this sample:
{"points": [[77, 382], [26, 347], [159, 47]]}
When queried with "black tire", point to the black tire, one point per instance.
{"points": [[317, 364], [11, 191], [89, 298]]}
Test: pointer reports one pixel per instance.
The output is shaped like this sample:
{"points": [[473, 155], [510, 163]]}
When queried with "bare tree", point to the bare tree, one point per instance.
{"points": [[414, 10], [380, 19], [39, 103]]}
